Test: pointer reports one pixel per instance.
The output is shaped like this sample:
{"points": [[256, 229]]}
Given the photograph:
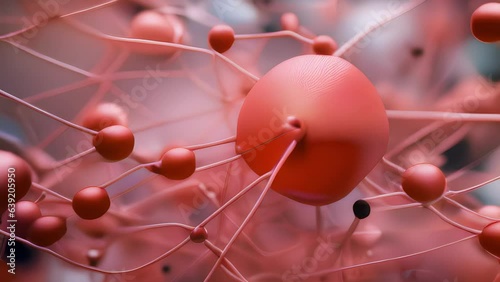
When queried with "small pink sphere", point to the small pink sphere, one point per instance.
{"points": [[424, 183], [289, 21]]}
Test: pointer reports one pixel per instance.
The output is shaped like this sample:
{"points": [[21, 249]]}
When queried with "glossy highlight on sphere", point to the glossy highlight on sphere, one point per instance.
{"points": [[424, 183], [20, 176], [346, 127], [485, 22], [114, 143], [47, 230], [91, 202]]}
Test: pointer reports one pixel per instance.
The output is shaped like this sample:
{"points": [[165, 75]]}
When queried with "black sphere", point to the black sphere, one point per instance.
{"points": [[361, 209]]}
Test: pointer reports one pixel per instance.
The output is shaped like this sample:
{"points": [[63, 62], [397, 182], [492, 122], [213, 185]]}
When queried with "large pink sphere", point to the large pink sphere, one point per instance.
{"points": [[346, 127]]}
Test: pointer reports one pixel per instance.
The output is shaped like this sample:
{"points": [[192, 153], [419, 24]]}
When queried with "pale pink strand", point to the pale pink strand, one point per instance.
{"points": [[91, 268], [43, 112], [451, 222], [469, 210], [393, 165], [398, 207], [257, 248], [346, 238], [320, 273], [466, 190], [235, 198], [165, 122], [135, 186], [233, 271], [135, 229], [353, 41], [451, 140], [276, 34], [445, 116], [372, 184], [456, 174], [388, 195], [73, 158], [273, 175], [211, 144], [161, 195], [52, 60], [48, 191], [410, 140], [128, 172], [219, 163], [101, 35]]}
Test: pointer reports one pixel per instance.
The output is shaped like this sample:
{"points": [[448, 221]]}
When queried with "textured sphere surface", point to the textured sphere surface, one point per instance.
{"points": [[346, 127]]}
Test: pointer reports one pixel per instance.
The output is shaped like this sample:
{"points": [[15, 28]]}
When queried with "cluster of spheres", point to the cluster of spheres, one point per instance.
{"points": [[249, 140]]}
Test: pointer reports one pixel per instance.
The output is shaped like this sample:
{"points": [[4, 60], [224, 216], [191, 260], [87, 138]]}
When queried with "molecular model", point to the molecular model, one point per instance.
{"points": [[235, 140]]}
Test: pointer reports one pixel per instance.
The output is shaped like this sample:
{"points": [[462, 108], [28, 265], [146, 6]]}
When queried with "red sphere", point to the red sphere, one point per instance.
{"points": [[324, 45], [114, 143], [346, 127], [489, 238], [485, 22], [26, 213], [424, 183], [199, 235], [47, 230], [221, 38], [16, 174], [91, 202], [178, 164]]}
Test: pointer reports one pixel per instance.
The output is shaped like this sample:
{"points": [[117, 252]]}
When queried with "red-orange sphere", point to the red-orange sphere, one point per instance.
{"points": [[221, 38], [47, 230], [346, 127], [324, 45], [91, 202], [26, 213], [16, 176], [114, 143], [485, 22], [424, 182], [489, 238], [178, 164]]}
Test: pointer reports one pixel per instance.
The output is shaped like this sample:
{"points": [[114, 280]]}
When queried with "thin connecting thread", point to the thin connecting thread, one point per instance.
{"points": [[330, 271], [358, 37], [54, 117], [273, 175]]}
